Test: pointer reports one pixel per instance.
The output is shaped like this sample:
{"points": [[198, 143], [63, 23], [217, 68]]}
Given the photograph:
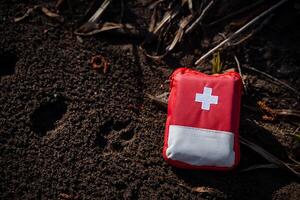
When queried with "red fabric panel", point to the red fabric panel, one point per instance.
{"points": [[185, 111]]}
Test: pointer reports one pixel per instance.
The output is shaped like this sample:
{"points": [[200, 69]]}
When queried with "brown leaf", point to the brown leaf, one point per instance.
{"points": [[29, 12], [44, 10], [91, 28], [51, 14], [203, 190]]}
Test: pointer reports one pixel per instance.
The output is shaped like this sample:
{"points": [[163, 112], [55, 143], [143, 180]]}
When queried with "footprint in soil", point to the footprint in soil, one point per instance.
{"points": [[8, 62], [43, 119], [114, 135]]}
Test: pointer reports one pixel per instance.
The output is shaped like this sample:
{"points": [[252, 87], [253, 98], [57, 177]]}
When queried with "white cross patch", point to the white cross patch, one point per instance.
{"points": [[206, 98]]}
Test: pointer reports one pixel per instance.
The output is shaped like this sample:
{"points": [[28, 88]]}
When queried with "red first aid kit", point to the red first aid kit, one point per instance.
{"points": [[203, 120]]}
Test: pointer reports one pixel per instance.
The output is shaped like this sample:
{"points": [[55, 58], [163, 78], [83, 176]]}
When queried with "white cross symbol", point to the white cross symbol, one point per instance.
{"points": [[206, 98]]}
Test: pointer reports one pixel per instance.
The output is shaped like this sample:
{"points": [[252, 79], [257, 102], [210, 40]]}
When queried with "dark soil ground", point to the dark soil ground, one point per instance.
{"points": [[69, 132]]}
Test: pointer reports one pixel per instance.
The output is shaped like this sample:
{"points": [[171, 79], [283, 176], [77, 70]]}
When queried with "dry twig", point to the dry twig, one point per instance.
{"points": [[259, 166], [252, 32], [160, 100], [277, 81], [154, 4], [100, 11], [29, 12], [240, 31], [203, 190], [152, 21], [179, 34], [167, 18], [240, 72], [189, 29], [287, 112], [91, 28], [161, 30], [44, 10], [268, 156], [51, 14], [233, 14], [190, 3]]}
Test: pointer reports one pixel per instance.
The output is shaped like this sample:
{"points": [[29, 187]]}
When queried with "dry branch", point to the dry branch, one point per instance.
{"points": [[160, 100], [29, 12], [268, 156], [167, 18], [252, 32], [180, 32], [240, 72], [247, 8], [44, 10], [277, 81], [92, 28], [100, 11], [51, 14], [259, 166], [287, 112], [153, 21], [240, 31], [188, 30]]}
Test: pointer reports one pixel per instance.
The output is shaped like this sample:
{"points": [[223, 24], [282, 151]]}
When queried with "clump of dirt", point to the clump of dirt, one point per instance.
{"points": [[291, 191]]}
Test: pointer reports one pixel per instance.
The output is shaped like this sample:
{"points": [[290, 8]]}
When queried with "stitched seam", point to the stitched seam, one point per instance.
{"points": [[203, 129]]}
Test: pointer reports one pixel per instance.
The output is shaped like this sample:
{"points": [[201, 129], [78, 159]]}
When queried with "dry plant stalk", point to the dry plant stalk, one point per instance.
{"points": [[276, 81], [160, 100], [161, 30], [92, 27], [191, 28], [44, 10], [203, 190], [259, 166], [254, 20], [271, 158], [29, 12], [233, 14], [179, 34], [51, 14], [240, 72], [100, 11]]}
